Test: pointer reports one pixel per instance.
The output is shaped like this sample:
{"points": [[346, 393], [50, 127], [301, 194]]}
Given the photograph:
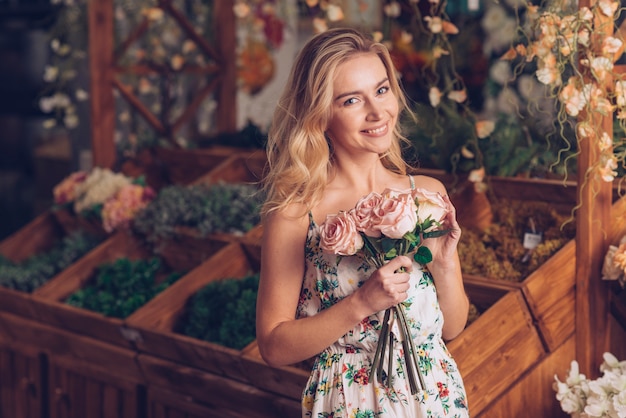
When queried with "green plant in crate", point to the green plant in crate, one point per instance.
{"points": [[122, 286], [221, 207], [223, 312], [31, 273]]}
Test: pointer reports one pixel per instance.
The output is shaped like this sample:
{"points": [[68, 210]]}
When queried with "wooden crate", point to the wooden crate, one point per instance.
{"points": [[498, 347], [197, 392], [239, 168], [22, 382], [185, 166], [37, 236], [85, 377], [154, 324]]}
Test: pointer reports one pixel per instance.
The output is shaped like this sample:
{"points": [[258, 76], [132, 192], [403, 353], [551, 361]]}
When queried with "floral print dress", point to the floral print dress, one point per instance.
{"points": [[340, 383]]}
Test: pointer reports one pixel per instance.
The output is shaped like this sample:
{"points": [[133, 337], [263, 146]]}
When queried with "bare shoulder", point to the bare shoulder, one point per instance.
{"points": [[429, 183], [286, 225]]}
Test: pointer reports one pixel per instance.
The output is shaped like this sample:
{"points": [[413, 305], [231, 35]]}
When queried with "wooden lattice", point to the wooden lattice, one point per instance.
{"points": [[106, 74]]}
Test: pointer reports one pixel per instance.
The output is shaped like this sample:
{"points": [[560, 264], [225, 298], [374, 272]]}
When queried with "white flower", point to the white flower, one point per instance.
{"points": [[608, 7], [81, 95], [458, 96], [435, 24], [392, 9], [334, 13], [70, 121], [500, 72], [434, 96], [50, 73]]}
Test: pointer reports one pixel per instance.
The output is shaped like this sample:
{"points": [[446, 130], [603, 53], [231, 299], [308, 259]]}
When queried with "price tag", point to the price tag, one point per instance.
{"points": [[532, 240]]}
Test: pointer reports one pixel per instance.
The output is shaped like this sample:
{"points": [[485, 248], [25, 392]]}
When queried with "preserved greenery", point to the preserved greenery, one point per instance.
{"points": [[33, 272], [121, 287], [230, 208], [223, 312]]}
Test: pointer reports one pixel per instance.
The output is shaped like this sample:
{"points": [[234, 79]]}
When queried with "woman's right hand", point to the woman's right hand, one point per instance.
{"points": [[387, 286]]}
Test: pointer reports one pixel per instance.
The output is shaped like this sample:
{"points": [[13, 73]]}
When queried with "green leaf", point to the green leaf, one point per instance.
{"points": [[436, 233], [423, 255]]}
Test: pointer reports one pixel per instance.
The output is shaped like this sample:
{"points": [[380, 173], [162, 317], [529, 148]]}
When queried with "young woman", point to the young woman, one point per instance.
{"points": [[334, 139]]}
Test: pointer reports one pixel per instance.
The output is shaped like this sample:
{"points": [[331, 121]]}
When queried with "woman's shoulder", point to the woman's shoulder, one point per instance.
{"points": [[429, 183], [292, 217]]}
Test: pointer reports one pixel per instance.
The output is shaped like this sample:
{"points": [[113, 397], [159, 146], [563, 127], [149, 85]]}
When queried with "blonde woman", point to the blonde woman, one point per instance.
{"points": [[334, 139]]}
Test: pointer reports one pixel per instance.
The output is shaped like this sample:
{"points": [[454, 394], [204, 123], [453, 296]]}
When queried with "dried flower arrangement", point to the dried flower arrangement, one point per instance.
{"points": [[498, 252]]}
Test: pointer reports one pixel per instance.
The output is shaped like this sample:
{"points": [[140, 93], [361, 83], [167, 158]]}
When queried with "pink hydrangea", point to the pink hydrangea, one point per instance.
{"points": [[119, 210]]}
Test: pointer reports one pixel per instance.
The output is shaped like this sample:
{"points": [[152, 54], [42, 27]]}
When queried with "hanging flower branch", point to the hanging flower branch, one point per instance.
{"points": [[575, 51]]}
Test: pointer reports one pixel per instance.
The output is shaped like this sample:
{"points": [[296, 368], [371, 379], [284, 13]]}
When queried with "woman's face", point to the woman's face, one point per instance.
{"points": [[364, 108]]}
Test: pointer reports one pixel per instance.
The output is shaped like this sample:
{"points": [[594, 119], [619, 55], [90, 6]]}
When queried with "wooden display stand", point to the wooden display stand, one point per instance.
{"points": [[65, 362]]}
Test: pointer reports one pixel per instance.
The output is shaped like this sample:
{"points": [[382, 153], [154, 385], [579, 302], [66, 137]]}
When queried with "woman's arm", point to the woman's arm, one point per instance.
{"points": [[284, 340]]}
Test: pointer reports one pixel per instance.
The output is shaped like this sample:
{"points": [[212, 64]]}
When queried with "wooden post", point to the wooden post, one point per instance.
{"points": [[101, 87], [224, 20], [592, 223]]}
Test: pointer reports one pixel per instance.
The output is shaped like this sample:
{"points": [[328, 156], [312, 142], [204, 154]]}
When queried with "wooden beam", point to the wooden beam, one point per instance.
{"points": [[101, 89], [224, 19]]}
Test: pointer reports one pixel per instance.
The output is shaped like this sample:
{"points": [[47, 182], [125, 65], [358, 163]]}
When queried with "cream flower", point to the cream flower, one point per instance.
{"points": [[606, 142], [611, 45], [392, 9], [608, 7], [573, 98], [484, 128], [607, 168], [458, 96], [434, 96], [449, 27], [620, 93], [319, 25], [435, 24], [334, 13]]}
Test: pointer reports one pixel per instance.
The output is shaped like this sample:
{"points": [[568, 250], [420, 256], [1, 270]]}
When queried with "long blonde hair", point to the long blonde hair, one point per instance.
{"points": [[299, 156]]}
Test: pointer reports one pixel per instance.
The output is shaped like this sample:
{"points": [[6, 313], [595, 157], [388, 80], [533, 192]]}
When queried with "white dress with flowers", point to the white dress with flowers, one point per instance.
{"points": [[340, 383]]}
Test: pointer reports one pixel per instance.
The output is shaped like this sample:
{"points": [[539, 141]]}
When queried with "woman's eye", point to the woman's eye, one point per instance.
{"points": [[383, 90], [350, 101]]}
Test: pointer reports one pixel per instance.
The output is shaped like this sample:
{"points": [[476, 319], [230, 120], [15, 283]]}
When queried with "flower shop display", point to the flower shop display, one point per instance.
{"points": [[29, 274], [120, 287], [604, 397], [223, 312]]}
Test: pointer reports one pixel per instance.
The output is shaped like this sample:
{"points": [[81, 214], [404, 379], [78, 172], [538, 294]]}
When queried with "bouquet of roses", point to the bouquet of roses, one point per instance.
{"points": [[379, 228]]}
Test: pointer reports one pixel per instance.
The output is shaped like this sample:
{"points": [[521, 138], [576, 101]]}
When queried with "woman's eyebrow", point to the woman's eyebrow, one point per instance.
{"points": [[352, 93]]}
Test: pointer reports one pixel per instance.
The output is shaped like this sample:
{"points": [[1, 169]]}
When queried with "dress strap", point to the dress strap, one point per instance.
{"points": [[412, 182]]}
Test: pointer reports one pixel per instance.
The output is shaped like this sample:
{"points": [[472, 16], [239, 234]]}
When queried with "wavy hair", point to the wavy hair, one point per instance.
{"points": [[298, 153]]}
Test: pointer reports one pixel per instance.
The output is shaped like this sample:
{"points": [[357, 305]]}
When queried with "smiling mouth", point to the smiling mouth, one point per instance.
{"points": [[376, 131]]}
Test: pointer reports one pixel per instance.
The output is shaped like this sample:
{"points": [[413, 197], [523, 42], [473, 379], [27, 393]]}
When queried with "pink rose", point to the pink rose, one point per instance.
{"points": [[395, 215], [362, 213], [430, 204], [338, 235]]}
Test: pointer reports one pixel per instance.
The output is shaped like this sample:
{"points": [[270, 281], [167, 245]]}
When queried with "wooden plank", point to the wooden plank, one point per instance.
{"points": [[100, 24], [225, 396], [93, 356], [239, 168], [225, 24], [550, 294], [184, 166], [533, 395], [513, 346], [36, 236]]}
